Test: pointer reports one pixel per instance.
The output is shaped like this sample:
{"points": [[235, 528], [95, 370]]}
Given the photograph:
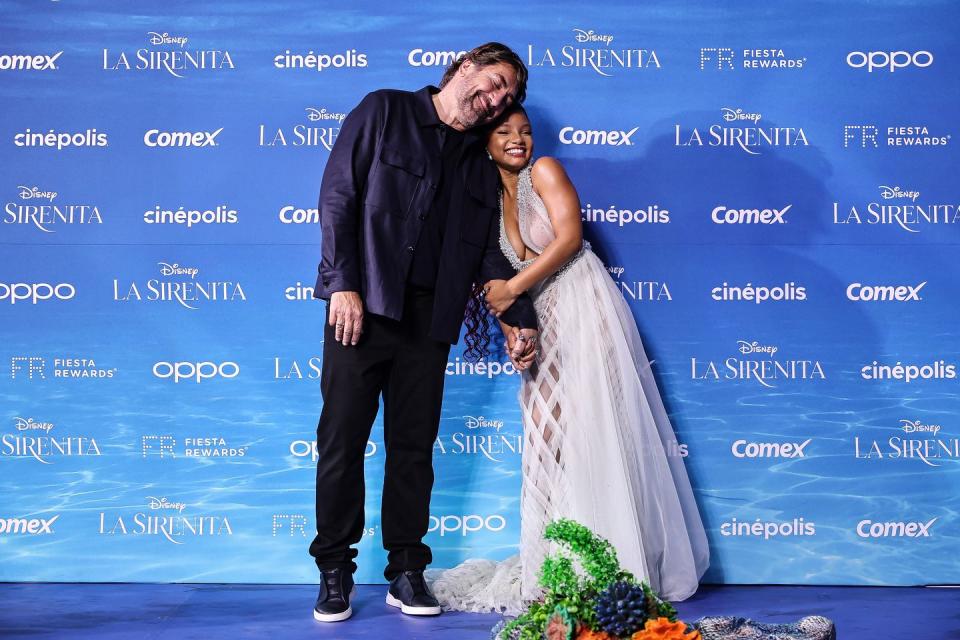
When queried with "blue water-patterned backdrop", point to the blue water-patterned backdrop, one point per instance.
{"points": [[772, 185]]}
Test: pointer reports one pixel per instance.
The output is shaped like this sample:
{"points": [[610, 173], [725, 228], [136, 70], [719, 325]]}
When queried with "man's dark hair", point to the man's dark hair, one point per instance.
{"points": [[492, 53]]}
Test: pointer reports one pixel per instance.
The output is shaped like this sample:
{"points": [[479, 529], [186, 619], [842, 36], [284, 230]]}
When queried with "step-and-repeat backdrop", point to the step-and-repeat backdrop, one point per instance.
{"points": [[773, 187]]}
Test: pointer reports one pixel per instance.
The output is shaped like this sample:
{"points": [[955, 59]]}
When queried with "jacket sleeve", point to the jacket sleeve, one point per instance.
{"points": [[495, 266], [341, 195]]}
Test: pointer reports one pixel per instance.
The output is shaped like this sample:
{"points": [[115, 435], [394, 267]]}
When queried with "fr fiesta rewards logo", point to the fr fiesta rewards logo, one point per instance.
{"points": [[303, 135], [592, 50], [29, 62], [32, 210], [165, 446], [749, 139], [168, 53], [73, 368], [903, 212], [867, 136], [726, 59], [889, 60]]}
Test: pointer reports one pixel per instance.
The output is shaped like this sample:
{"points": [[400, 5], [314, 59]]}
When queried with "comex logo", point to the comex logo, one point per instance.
{"points": [[157, 138], [871, 529], [197, 371], [744, 449], [727, 215], [41, 62], [614, 138], [421, 58], [35, 292], [30, 527], [465, 524], [859, 292], [891, 61]]}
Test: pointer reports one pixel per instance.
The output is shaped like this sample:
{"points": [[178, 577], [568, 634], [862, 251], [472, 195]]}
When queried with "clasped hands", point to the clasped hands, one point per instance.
{"points": [[521, 343]]}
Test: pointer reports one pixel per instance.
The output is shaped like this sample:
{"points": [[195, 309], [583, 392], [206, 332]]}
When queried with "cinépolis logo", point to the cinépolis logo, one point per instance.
{"points": [[178, 284], [31, 439], [168, 53], [757, 362], [36, 207], [188, 217], [165, 519], [322, 131], [740, 130], [595, 51], [620, 216]]}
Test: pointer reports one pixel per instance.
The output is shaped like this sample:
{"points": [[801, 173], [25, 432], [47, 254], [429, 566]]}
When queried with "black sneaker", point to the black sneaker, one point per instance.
{"points": [[336, 590], [409, 593]]}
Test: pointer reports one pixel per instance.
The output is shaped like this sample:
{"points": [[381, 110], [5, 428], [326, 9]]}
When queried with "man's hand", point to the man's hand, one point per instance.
{"points": [[346, 315], [498, 296]]}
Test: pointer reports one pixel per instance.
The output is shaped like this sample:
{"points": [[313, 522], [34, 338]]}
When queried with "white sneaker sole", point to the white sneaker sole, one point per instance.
{"points": [[412, 611], [335, 617]]}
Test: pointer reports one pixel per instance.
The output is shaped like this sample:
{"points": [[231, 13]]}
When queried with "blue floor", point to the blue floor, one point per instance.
{"points": [[282, 612]]}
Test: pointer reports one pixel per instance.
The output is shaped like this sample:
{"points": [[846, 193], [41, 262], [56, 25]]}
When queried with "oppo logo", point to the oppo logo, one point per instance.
{"points": [[197, 371], [615, 138], [34, 292], [157, 138], [891, 60], [308, 449], [465, 524]]}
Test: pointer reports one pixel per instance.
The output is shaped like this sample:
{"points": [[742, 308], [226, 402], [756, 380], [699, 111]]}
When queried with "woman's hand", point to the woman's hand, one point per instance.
{"points": [[498, 296]]}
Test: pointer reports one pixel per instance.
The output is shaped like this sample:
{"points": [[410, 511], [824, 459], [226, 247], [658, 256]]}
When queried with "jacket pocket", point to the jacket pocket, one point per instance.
{"points": [[396, 181]]}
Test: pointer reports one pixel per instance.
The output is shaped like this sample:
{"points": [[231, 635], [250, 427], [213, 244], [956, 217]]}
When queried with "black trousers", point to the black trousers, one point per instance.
{"points": [[399, 360]]}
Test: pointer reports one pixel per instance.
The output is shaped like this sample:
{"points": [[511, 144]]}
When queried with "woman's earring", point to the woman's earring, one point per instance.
{"points": [[488, 154]]}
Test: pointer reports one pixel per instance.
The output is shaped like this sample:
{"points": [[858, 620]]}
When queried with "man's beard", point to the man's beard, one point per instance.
{"points": [[468, 115]]}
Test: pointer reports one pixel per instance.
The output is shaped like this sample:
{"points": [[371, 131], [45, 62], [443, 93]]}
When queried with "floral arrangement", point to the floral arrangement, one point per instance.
{"points": [[607, 603]]}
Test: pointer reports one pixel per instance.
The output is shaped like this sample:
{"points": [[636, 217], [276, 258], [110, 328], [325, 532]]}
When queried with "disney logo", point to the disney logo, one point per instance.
{"points": [[28, 193], [163, 503], [755, 347], [166, 38], [895, 192], [28, 424], [176, 270], [738, 114], [915, 426], [321, 114], [591, 36], [616, 271], [480, 422]]}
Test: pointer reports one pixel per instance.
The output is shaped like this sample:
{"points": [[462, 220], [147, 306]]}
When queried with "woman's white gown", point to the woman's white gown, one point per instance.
{"points": [[598, 446]]}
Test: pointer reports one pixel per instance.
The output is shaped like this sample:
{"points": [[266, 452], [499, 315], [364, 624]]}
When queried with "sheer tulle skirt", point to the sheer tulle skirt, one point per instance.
{"points": [[598, 448]]}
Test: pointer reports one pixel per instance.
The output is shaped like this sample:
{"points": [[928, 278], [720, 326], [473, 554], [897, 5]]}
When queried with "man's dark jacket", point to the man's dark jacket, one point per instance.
{"points": [[377, 188]]}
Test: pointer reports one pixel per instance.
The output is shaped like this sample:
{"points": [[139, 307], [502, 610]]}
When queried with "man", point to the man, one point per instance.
{"points": [[408, 206]]}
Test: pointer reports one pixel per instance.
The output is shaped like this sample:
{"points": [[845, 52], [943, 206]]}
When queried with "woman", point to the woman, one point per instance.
{"points": [[596, 434]]}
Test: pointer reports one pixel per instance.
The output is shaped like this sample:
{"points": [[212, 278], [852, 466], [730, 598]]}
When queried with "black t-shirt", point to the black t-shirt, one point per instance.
{"points": [[426, 256]]}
